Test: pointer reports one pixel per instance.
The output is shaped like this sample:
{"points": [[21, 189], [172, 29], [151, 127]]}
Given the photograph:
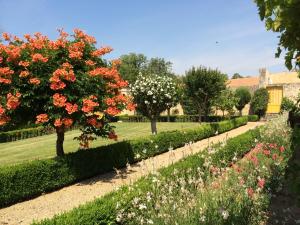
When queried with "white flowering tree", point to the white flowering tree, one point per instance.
{"points": [[154, 94]]}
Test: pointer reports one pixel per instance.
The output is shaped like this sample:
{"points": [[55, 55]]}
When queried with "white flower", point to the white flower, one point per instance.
{"points": [[224, 213], [149, 221], [142, 206]]}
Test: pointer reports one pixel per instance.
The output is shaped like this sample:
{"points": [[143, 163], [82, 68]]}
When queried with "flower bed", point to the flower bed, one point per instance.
{"points": [[31, 179], [200, 189]]}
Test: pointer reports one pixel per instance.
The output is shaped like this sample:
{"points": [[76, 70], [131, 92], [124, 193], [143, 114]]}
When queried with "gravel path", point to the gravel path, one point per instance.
{"points": [[72, 196]]}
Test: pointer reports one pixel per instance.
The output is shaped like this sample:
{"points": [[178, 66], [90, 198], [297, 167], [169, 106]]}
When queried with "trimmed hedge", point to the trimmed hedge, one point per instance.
{"points": [[103, 210], [15, 135], [31, 179], [21, 134], [173, 118], [253, 118]]}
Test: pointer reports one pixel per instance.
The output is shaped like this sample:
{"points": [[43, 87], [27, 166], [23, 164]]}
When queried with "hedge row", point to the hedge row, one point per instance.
{"points": [[24, 181], [104, 210], [24, 134], [21, 134], [253, 118], [173, 118]]}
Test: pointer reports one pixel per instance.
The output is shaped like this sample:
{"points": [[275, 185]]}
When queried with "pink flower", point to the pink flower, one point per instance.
{"points": [[261, 183]]}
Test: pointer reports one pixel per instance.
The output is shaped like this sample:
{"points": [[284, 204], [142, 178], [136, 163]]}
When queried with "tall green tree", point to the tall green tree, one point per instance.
{"points": [[259, 102], [243, 96], [204, 86], [226, 102], [159, 66], [283, 16], [132, 65]]}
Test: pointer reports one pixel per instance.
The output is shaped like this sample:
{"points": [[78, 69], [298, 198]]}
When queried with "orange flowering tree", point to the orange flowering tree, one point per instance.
{"points": [[60, 83]]}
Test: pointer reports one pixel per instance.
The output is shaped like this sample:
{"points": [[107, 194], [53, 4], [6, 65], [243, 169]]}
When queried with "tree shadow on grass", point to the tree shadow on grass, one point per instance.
{"points": [[285, 205]]}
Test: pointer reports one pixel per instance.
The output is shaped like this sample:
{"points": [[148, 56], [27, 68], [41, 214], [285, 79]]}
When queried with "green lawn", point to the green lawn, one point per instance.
{"points": [[44, 146]]}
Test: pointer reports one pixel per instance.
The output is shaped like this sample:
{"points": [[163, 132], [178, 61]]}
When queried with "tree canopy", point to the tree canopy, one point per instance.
{"points": [[236, 76], [60, 83], [204, 85], [134, 64], [243, 96], [283, 16]]}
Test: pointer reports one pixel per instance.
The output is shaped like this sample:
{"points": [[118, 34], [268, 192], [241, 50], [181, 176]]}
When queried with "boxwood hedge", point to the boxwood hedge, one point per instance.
{"points": [[103, 210], [30, 179]]}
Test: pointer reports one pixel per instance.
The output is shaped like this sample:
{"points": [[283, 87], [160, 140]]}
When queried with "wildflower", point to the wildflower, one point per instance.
{"points": [[224, 213], [149, 221], [250, 192], [281, 149], [261, 182], [142, 206]]}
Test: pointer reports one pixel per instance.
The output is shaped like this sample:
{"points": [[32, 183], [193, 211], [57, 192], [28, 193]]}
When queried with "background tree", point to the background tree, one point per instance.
{"points": [[132, 65], [226, 102], [153, 95], [60, 83], [159, 66], [204, 86], [236, 76], [259, 102], [243, 96], [283, 17]]}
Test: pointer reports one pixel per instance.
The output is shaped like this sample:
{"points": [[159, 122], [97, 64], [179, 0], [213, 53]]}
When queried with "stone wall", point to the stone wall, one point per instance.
{"points": [[291, 91]]}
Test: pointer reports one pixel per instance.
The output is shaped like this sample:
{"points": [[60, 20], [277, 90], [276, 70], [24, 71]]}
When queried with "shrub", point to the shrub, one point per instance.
{"points": [[243, 95], [253, 118], [286, 105], [259, 102], [31, 179], [104, 210]]}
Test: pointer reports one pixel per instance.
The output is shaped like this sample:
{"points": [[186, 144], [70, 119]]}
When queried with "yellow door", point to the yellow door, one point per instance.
{"points": [[275, 98]]}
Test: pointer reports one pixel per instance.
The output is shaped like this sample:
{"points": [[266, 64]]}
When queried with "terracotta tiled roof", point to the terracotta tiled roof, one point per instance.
{"points": [[243, 82]]}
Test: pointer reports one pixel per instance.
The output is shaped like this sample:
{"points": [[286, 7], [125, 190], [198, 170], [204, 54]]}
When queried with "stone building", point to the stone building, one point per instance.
{"points": [[279, 85]]}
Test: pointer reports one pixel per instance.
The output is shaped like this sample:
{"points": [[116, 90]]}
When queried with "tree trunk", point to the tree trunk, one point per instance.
{"points": [[169, 112], [60, 132], [223, 113], [200, 115], [153, 126], [241, 112]]}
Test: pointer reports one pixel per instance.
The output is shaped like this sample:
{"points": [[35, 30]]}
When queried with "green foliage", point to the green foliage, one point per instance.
{"points": [[159, 66], [236, 76], [154, 94], [283, 16], [226, 101], [259, 102], [132, 65], [173, 118], [204, 86], [104, 210], [24, 133], [253, 118], [286, 105], [31, 179], [244, 97]]}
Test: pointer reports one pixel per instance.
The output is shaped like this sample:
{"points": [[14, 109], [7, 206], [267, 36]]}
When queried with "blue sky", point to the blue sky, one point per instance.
{"points": [[183, 32]]}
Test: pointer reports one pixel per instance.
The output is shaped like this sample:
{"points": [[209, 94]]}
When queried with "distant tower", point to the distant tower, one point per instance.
{"points": [[263, 77]]}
